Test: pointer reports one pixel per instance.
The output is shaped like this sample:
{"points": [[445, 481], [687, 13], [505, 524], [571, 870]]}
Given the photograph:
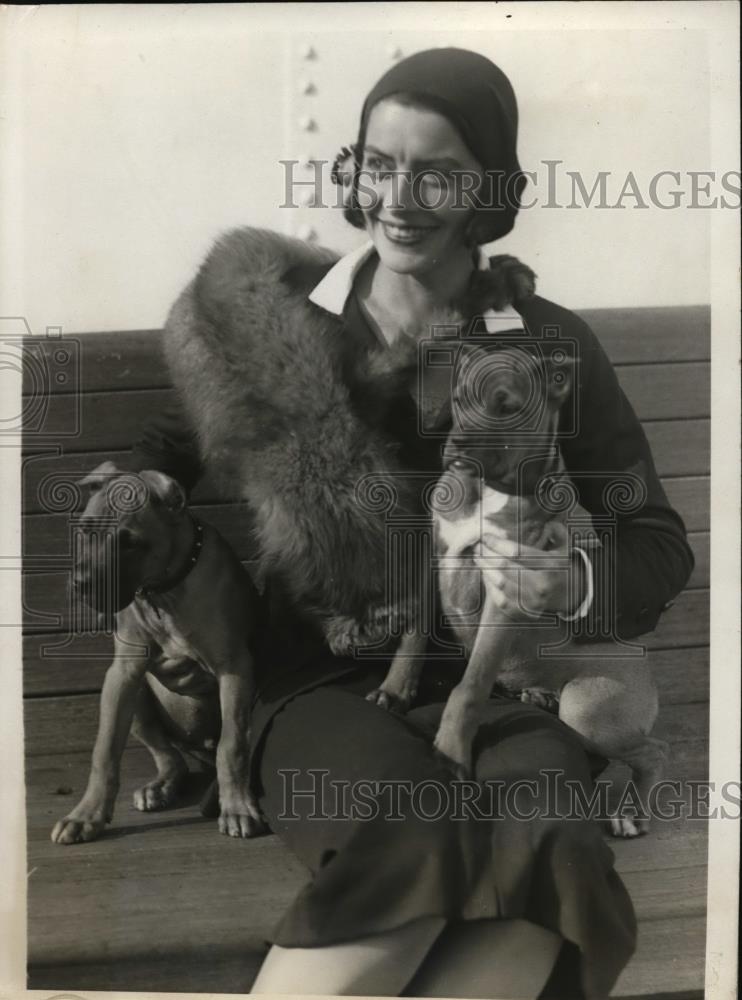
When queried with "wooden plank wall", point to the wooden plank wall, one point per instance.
{"points": [[662, 358]]}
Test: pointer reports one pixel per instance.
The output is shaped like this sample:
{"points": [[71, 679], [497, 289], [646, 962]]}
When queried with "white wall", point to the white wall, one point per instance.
{"points": [[138, 133]]}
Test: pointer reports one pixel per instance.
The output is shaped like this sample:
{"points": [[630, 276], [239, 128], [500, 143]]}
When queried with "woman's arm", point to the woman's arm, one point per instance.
{"points": [[645, 559], [169, 444]]}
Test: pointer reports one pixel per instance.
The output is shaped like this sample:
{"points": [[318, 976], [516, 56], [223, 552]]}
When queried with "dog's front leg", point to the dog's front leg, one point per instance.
{"points": [[461, 716], [121, 686], [400, 685], [239, 814]]}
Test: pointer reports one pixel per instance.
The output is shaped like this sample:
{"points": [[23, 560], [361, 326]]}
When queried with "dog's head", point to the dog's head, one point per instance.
{"points": [[124, 535], [505, 410]]}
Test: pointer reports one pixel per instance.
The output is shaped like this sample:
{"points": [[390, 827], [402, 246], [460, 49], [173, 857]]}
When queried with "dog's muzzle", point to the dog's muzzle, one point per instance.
{"points": [[101, 578]]}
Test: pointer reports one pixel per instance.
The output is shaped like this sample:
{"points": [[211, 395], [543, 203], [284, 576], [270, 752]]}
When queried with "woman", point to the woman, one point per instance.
{"points": [[426, 903]]}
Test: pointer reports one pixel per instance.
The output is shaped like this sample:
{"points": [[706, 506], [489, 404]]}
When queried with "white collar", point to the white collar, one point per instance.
{"points": [[333, 290]]}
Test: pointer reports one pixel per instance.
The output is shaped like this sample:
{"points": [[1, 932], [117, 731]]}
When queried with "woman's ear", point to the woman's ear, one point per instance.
{"points": [[343, 173]]}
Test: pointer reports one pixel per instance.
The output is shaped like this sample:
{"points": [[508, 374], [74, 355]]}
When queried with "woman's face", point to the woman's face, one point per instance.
{"points": [[412, 176]]}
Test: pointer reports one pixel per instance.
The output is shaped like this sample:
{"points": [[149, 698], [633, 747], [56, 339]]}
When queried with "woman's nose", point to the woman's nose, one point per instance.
{"points": [[399, 191]]}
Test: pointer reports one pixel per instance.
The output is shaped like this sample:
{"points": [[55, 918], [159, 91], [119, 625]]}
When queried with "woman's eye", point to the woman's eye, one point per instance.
{"points": [[376, 165]]}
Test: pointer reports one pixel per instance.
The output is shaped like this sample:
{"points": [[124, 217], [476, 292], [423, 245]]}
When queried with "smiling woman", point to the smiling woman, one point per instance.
{"points": [[403, 145], [525, 906]]}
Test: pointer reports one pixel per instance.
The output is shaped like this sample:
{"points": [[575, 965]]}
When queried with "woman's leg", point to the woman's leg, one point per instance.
{"points": [[488, 959], [381, 964], [484, 958]]}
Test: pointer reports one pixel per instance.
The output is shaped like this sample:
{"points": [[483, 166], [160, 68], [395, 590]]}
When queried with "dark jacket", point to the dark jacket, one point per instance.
{"points": [[644, 559]]}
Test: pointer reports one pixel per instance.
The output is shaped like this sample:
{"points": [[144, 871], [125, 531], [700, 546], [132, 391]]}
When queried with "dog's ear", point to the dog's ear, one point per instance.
{"points": [[99, 475], [164, 491], [560, 377]]}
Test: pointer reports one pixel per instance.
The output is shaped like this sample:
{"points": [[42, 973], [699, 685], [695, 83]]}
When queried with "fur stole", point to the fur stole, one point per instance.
{"points": [[291, 423]]}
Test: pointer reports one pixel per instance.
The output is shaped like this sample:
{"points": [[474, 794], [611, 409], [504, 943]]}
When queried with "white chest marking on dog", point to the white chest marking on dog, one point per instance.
{"points": [[467, 531]]}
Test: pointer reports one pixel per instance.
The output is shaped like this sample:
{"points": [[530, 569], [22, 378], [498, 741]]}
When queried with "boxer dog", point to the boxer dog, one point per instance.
{"points": [[182, 671], [494, 488]]}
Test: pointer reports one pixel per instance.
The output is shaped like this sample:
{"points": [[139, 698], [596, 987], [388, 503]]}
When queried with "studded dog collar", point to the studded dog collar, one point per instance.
{"points": [[161, 587]]}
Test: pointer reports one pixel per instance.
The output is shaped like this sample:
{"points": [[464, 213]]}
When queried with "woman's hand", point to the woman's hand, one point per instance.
{"points": [[527, 582]]}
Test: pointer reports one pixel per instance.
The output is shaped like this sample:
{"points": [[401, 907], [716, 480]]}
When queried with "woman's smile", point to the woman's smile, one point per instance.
{"points": [[405, 233]]}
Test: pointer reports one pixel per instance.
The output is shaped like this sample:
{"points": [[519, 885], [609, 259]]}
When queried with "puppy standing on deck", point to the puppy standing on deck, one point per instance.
{"points": [[185, 611]]}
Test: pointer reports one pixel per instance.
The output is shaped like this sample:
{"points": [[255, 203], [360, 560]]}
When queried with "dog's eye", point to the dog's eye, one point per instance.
{"points": [[127, 540], [462, 465]]}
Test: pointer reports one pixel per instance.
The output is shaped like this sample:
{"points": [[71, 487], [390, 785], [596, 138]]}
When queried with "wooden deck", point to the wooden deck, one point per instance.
{"points": [[162, 902]]}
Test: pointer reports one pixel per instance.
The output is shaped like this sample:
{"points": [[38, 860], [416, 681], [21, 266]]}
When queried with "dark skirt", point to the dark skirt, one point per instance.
{"points": [[390, 836]]}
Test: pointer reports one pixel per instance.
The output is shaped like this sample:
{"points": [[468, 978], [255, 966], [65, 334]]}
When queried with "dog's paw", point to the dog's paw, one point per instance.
{"points": [[158, 794], [455, 752], [74, 830], [398, 702], [378, 628], [628, 827], [542, 698], [241, 817], [461, 771]]}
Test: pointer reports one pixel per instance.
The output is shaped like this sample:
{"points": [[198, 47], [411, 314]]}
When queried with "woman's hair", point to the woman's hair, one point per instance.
{"points": [[476, 97]]}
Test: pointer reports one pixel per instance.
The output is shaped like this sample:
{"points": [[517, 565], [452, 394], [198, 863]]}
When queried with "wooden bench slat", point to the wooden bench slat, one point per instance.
{"points": [[46, 672], [680, 892], [49, 535], [47, 608], [123, 359], [68, 723], [99, 420], [686, 623], [666, 392], [681, 449], [699, 542], [213, 971], [133, 358], [691, 498], [682, 675], [689, 494], [175, 856], [114, 420], [47, 603], [670, 957], [662, 333], [679, 843]]}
